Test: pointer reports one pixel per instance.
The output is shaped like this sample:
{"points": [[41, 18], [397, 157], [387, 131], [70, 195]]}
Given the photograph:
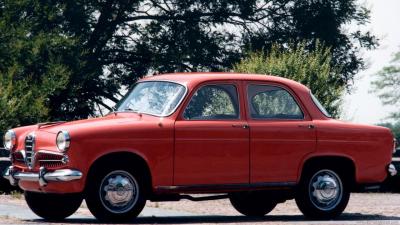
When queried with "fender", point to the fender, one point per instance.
{"points": [[317, 154]]}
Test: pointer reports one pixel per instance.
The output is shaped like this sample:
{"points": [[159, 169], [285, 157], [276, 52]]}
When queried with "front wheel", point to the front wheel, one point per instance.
{"points": [[323, 193], [53, 207], [252, 203], [116, 194]]}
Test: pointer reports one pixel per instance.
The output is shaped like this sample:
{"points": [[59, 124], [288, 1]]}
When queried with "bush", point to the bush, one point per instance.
{"points": [[312, 68]]}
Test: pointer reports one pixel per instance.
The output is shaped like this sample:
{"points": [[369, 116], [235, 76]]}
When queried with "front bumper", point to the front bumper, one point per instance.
{"points": [[43, 177]]}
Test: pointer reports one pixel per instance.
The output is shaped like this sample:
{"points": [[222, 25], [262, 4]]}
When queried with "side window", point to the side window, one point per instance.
{"points": [[270, 102], [213, 102]]}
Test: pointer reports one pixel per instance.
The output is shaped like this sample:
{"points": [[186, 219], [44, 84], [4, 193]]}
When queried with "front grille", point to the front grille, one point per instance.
{"points": [[29, 150], [48, 160], [18, 157]]}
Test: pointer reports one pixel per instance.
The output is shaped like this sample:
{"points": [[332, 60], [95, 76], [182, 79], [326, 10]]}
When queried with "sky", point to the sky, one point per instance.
{"points": [[361, 105]]}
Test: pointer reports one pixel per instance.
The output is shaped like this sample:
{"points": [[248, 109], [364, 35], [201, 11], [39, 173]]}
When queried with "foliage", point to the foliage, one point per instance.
{"points": [[395, 127], [312, 68], [31, 69], [103, 45], [388, 85]]}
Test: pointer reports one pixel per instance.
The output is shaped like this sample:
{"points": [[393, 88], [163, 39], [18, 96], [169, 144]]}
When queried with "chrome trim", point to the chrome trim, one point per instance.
{"points": [[30, 160], [63, 160], [43, 176], [314, 99], [13, 140], [7, 175], [214, 188], [392, 170], [162, 116], [325, 190], [50, 152], [40, 125], [67, 140], [119, 191], [215, 83]]}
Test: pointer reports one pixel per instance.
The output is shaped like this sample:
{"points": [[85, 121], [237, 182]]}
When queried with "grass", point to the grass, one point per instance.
{"points": [[16, 194]]}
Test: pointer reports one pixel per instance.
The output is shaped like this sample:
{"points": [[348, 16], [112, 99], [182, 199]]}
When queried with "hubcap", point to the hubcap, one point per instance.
{"points": [[119, 191], [326, 190]]}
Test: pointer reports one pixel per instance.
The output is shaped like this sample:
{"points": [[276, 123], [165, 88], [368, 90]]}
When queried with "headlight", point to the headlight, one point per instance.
{"points": [[63, 141], [9, 140]]}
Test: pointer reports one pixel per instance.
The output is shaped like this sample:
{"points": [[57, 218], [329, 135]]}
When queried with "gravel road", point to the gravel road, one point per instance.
{"points": [[362, 209]]}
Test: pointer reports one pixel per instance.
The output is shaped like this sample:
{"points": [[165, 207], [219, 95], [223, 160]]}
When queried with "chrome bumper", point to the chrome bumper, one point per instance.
{"points": [[43, 177], [392, 170]]}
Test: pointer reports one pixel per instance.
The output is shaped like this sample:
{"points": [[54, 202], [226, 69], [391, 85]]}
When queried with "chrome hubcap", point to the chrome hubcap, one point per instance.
{"points": [[119, 191], [326, 190]]}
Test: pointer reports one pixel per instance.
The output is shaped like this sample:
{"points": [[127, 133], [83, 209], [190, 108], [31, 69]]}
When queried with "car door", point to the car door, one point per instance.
{"points": [[281, 133], [212, 137]]}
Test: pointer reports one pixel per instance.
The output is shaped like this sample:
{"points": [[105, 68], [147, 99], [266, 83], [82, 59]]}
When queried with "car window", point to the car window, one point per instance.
{"points": [[158, 98], [271, 102], [320, 106], [212, 102]]}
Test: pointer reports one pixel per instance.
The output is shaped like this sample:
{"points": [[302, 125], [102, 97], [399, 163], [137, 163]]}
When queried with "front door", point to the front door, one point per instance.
{"points": [[212, 138]]}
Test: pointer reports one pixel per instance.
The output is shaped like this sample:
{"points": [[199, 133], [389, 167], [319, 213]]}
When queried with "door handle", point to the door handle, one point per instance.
{"points": [[309, 126], [243, 126]]}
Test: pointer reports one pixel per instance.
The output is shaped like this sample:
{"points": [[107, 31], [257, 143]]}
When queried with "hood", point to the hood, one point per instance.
{"points": [[109, 120]]}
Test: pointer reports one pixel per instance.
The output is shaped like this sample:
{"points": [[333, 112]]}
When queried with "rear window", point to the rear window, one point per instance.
{"points": [[320, 106], [270, 102]]}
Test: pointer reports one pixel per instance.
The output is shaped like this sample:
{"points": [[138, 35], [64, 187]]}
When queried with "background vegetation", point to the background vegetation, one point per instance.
{"points": [[313, 68], [62, 60], [387, 85]]}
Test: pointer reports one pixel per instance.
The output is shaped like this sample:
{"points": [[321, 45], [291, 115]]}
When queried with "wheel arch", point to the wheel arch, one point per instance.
{"points": [[122, 157], [345, 162]]}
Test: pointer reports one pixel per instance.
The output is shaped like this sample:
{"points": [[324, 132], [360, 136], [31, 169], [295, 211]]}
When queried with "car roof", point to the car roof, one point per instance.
{"points": [[200, 77]]}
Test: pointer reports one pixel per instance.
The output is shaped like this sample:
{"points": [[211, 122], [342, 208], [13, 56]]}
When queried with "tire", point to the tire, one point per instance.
{"points": [[252, 203], [53, 207], [109, 205], [327, 203]]}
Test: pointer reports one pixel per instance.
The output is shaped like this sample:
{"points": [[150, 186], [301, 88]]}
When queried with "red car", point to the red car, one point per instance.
{"points": [[255, 139]]}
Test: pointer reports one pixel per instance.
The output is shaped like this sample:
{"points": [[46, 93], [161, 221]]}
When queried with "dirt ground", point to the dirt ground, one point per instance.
{"points": [[370, 204], [372, 208]]}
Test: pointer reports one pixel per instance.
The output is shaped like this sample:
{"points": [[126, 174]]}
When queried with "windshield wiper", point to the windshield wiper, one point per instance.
{"points": [[131, 110]]}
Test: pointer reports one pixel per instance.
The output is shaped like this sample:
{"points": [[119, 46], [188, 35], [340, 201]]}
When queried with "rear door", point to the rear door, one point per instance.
{"points": [[281, 133]]}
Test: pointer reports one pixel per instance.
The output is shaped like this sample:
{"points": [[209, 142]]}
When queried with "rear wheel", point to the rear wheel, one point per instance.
{"points": [[53, 206], [116, 193], [252, 203], [323, 193]]}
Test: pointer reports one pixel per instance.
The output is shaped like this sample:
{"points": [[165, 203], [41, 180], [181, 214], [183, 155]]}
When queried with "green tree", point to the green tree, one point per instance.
{"points": [[32, 69], [111, 43], [395, 127], [312, 68], [387, 85]]}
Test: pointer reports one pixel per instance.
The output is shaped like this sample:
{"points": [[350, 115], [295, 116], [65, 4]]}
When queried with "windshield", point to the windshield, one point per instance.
{"points": [[320, 106], [159, 98]]}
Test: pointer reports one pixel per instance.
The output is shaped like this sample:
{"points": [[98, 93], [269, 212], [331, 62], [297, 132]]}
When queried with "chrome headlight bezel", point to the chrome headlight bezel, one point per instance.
{"points": [[63, 141], [9, 140]]}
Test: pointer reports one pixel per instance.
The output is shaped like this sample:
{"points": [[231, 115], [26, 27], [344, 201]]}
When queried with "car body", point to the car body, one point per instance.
{"points": [[255, 134]]}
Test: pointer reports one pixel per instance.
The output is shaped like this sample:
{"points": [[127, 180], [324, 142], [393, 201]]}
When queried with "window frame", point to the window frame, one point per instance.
{"points": [[288, 90], [216, 83]]}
